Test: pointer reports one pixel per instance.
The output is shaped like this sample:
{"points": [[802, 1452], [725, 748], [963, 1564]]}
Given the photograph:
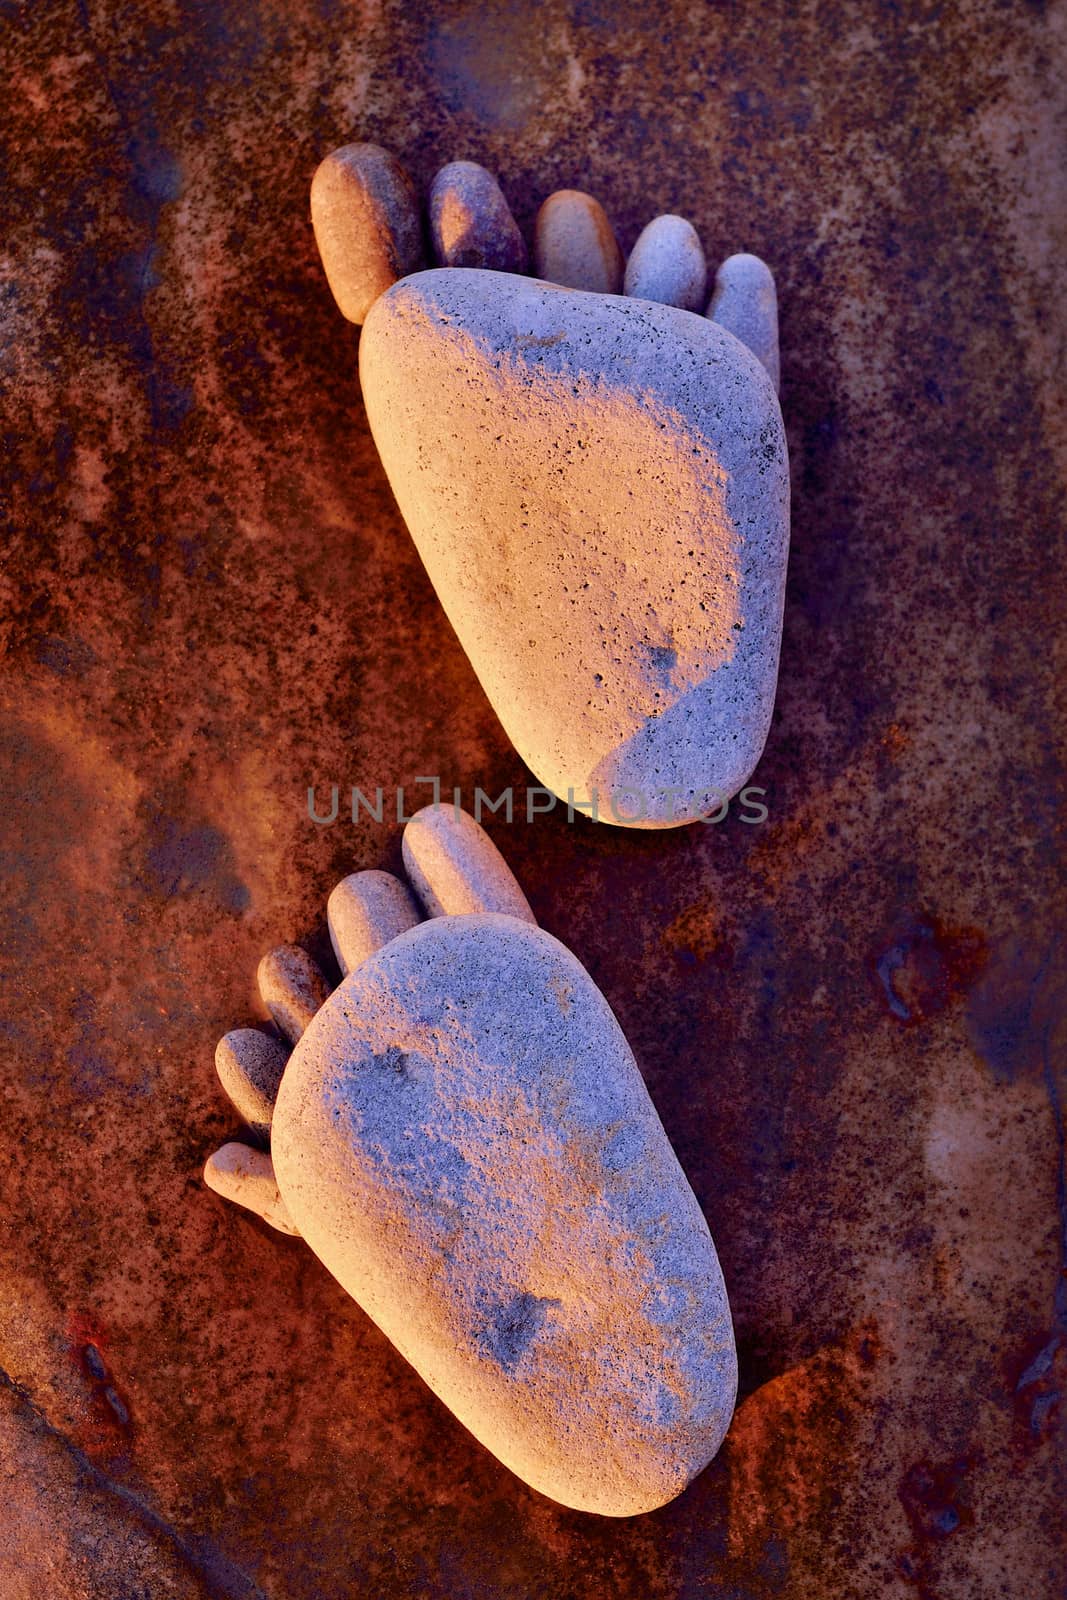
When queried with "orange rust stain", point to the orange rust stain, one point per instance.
{"points": [[789, 1445], [896, 739], [693, 933]]}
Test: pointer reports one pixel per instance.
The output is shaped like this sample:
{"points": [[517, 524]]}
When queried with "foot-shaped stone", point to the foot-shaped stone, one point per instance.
{"points": [[463, 1137], [594, 473]]}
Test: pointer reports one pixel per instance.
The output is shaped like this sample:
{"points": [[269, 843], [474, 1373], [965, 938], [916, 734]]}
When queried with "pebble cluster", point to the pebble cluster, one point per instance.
{"points": [[369, 230], [464, 1139]]}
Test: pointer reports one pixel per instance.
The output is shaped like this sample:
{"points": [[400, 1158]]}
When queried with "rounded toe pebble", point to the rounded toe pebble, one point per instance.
{"points": [[456, 869], [292, 988], [575, 245], [464, 1139], [250, 1066], [471, 224], [246, 1178], [366, 910], [744, 301], [667, 265], [365, 214]]}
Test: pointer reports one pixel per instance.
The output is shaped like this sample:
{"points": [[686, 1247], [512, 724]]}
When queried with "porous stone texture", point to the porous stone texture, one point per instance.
{"points": [[847, 1015], [250, 1066], [366, 910], [745, 301], [455, 867], [464, 1139], [292, 987], [575, 244], [625, 624], [246, 1178], [471, 224], [667, 265], [367, 223]]}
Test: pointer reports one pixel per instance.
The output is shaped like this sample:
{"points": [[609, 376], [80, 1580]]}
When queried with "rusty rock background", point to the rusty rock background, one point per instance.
{"points": [[851, 1015]]}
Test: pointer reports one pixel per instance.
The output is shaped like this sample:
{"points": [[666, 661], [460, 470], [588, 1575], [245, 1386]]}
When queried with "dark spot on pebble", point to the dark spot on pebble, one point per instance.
{"points": [[512, 1327]]}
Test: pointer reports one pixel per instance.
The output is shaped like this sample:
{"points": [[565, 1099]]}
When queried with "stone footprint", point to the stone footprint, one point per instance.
{"points": [[595, 474], [463, 1137]]}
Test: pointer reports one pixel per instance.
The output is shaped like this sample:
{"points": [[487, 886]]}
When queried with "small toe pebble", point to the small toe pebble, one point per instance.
{"points": [[292, 988], [246, 1177], [366, 911], [470, 222], [575, 246], [250, 1066], [745, 303], [365, 214], [667, 265], [456, 869]]}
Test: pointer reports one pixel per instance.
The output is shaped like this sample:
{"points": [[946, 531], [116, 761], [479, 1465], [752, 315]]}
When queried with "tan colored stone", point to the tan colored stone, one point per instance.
{"points": [[575, 245], [246, 1176], [464, 1139], [366, 910], [292, 988], [456, 869], [365, 214], [599, 488], [250, 1066]]}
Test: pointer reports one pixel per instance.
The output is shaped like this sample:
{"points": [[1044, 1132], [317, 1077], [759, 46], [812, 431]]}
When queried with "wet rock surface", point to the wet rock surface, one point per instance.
{"points": [[848, 1014]]}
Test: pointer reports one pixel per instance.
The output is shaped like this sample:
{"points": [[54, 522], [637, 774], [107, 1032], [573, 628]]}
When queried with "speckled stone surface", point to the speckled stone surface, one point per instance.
{"points": [[849, 1016], [744, 300], [667, 264], [464, 1139], [470, 222], [599, 488]]}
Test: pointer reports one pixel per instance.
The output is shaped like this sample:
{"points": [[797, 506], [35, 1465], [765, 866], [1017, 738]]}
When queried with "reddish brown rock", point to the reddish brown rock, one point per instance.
{"points": [[574, 244], [367, 224]]}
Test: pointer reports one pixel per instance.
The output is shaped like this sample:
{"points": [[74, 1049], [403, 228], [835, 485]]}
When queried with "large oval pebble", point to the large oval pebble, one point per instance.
{"points": [[599, 488], [464, 1139]]}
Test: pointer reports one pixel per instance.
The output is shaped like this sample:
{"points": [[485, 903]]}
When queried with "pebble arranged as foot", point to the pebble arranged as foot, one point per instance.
{"points": [[463, 1137], [597, 481]]}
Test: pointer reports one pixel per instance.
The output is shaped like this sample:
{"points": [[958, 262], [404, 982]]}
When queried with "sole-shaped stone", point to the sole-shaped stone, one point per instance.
{"points": [[599, 489], [464, 1139]]}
